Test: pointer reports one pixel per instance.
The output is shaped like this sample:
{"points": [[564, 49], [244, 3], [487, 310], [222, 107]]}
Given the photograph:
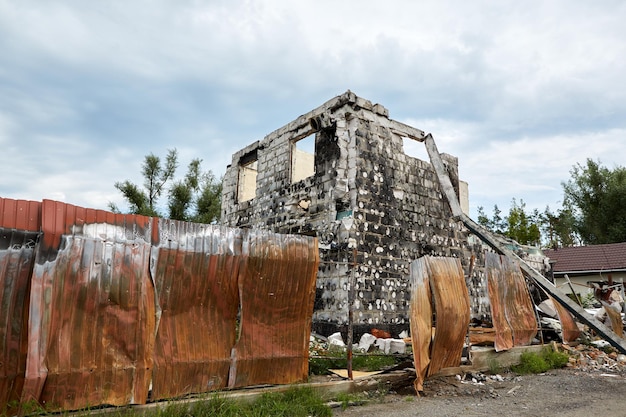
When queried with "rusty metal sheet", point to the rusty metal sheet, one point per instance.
{"points": [[421, 320], [277, 291], [497, 294], [195, 272], [570, 330], [437, 286], [19, 233], [92, 310], [452, 312], [512, 308]]}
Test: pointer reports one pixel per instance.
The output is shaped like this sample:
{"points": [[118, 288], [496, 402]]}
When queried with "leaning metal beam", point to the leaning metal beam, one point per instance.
{"points": [[489, 238]]}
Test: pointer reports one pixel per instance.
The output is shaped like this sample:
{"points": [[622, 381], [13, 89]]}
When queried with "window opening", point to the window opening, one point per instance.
{"points": [[415, 149], [303, 158], [248, 170]]}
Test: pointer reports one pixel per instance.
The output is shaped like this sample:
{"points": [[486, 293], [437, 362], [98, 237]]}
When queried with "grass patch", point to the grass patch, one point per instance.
{"points": [[336, 359], [533, 363], [494, 366], [294, 402], [360, 398]]}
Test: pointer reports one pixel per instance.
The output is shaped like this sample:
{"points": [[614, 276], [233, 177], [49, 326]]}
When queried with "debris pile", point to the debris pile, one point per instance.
{"points": [[596, 356], [368, 343]]}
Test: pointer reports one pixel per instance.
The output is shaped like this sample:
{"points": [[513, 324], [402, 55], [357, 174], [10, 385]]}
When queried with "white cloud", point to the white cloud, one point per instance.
{"points": [[518, 91]]}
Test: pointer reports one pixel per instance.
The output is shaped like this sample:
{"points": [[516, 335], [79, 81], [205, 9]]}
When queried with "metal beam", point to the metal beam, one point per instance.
{"points": [[488, 237]]}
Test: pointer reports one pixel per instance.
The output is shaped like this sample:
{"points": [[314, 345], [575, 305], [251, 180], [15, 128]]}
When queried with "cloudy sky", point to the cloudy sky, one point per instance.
{"points": [[519, 91]]}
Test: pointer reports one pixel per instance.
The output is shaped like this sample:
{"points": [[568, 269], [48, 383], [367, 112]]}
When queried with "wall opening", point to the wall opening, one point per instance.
{"points": [[415, 149], [303, 158], [246, 183]]}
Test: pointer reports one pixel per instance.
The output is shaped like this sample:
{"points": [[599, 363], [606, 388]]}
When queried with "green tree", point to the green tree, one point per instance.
{"points": [[558, 228], [518, 224], [596, 196], [156, 175], [196, 198], [521, 226], [495, 223]]}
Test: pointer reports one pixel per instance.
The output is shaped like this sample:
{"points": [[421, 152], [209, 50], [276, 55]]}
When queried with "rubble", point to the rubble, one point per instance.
{"points": [[589, 358]]}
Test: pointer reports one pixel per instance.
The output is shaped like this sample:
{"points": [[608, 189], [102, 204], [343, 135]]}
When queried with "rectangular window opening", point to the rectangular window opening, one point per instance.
{"points": [[248, 170], [415, 149], [303, 158]]}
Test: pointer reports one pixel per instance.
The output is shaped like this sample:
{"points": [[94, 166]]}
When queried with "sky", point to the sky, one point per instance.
{"points": [[520, 92]]}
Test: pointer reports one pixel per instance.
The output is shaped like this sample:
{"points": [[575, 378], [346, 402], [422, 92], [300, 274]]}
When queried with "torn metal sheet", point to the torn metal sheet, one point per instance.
{"points": [[497, 295], [92, 310], [195, 270], [19, 234], [451, 309], [512, 309], [277, 291], [421, 320], [452, 312], [569, 329]]}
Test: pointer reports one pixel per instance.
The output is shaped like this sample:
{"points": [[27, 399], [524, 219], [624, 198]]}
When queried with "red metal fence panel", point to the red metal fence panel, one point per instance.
{"points": [[195, 272], [277, 291], [19, 233], [92, 309]]}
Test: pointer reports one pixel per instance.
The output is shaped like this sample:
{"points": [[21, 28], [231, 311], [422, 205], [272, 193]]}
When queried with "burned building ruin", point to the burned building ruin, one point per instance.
{"points": [[340, 173]]}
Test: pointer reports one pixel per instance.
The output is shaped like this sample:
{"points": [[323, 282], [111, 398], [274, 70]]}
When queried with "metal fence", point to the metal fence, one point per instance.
{"points": [[104, 308]]}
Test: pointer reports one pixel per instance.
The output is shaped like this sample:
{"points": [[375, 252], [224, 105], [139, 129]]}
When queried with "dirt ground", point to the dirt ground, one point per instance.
{"points": [[571, 392]]}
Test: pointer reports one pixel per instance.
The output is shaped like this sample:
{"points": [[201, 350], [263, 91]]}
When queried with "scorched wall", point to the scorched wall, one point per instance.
{"points": [[373, 208]]}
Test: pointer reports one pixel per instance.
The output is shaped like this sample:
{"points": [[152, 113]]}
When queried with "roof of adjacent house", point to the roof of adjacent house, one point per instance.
{"points": [[605, 258]]}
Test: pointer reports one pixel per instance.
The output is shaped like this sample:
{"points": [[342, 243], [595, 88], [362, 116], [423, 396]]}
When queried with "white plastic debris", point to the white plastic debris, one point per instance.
{"points": [[366, 341], [600, 343], [397, 346], [388, 346], [383, 345], [335, 339]]}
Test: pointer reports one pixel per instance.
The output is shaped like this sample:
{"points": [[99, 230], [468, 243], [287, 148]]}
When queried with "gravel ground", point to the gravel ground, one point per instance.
{"points": [[571, 392]]}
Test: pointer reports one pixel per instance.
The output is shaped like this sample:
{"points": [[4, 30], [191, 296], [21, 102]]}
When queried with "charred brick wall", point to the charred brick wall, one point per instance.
{"points": [[373, 208]]}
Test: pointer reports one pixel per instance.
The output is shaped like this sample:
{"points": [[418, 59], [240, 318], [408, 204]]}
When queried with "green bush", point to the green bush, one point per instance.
{"points": [[533, 363], [555, 359]]}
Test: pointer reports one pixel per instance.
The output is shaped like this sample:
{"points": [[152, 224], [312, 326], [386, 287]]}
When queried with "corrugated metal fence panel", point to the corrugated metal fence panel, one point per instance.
{"points": [[19, 233], [421, 319], [92, 309], [195, 272], [452, 311], [110, 293], [277, 291], [512, 308]]}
